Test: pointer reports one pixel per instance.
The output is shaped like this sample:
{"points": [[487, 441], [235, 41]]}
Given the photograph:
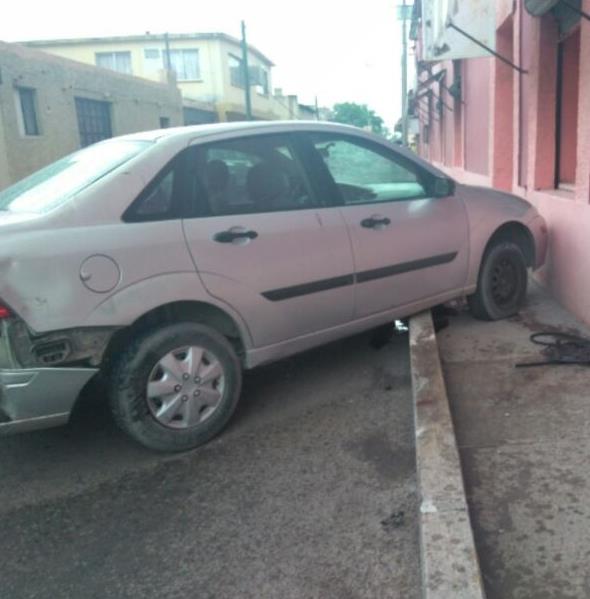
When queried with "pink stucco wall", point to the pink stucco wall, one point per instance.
{"points": [[476, 85], [568, 133], [492, 127]]}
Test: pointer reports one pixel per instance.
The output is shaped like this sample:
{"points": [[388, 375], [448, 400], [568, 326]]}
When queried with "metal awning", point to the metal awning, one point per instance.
{"points": [[566, 12]]}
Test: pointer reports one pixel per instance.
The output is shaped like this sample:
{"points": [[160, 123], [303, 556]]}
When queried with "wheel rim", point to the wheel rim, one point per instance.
{"points": [[185, 387], [505, 282]]}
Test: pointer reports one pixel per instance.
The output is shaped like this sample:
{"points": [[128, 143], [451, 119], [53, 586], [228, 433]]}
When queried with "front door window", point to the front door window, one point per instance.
{"points": [[365, 175]]}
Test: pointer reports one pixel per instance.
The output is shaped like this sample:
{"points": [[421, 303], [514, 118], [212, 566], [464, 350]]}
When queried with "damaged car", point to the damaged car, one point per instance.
{"points": [[168, 262]]}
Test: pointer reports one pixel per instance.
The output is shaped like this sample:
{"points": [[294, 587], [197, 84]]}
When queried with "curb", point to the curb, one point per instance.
{"points": [[449, 563]]}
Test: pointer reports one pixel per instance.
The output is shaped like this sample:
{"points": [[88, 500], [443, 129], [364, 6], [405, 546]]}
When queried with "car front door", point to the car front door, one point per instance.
{"points": [[408, 245], [262, 242]]}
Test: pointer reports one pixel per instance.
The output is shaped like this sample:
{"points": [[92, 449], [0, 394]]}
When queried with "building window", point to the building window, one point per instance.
{"points": [[262, 86], [27, 101], [94, 120], [151, 54], [164, 122], [185, 63], [152, 60], [115, 61], [236, 71], [258, 76]]}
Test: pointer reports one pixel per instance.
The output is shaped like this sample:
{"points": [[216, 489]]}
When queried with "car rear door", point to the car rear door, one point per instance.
{"points": [[262, 241], [408, 246]]}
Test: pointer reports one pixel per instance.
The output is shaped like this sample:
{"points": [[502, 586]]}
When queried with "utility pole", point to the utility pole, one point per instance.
{"points": [[404, 77], [167, 46], [317, 110], [247, 98]]}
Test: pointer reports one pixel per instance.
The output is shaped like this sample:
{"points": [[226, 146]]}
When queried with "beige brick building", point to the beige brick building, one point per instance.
{"points": [[51, 106]]}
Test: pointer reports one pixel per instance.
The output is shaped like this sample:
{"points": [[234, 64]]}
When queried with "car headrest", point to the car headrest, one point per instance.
{"points": [[217, 175], [266, 184]]}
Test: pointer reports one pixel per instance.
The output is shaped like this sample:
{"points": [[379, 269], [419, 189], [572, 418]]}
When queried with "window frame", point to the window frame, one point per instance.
{"points": [[89, 112], [113, 55], [263, 89], [238, 80], [326, 179], [22, 116], [182, 52]]}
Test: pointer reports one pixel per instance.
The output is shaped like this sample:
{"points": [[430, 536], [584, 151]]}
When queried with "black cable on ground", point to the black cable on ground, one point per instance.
{"points": [[560, 348]]}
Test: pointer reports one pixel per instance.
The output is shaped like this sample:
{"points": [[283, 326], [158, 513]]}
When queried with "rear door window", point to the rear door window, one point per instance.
{"points": [[251, 175]]}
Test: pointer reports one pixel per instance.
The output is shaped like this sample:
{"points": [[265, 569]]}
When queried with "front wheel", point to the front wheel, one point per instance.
{"points": [[176, 387], [502, 283]]}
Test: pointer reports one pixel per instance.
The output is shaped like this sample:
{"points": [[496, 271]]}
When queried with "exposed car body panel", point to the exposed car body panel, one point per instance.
{"points": [[22, 388]]}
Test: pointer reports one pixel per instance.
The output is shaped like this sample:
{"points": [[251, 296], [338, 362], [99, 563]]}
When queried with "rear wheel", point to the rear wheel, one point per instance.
{"points": [[176, 387], [502, 283]]}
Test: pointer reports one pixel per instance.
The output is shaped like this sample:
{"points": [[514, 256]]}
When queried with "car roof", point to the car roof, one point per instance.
{"points": [[191, 132]]}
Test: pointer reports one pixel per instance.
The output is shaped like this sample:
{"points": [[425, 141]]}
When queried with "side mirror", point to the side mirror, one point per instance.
{"points": [[443, 187]]}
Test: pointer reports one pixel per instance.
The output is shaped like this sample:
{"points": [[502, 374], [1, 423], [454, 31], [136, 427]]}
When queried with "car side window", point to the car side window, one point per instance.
{"points": [[251, 175], [158, 200], [167, 194], [366, 174]]}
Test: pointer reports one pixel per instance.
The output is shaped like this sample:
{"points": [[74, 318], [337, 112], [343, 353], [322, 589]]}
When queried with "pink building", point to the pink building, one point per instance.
{"points": [[488, 124]]}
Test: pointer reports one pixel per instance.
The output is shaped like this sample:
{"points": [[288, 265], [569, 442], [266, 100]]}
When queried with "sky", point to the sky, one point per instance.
{"points": [[338, 51]]}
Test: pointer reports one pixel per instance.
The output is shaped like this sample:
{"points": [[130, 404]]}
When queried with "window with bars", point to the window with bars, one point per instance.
{"points": [[185, 63], [115, 61], [94, 120], [27, 101]]}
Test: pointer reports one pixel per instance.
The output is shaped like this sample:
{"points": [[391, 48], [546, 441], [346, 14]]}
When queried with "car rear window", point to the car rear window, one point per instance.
{"points": [[56, 183]]}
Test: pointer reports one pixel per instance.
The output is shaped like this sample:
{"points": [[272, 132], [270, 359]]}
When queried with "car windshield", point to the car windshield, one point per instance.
{"points": [[61, 180]]}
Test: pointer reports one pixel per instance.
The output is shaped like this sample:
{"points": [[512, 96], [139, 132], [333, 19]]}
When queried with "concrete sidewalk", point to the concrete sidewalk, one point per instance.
{"points": [[524, 442]]}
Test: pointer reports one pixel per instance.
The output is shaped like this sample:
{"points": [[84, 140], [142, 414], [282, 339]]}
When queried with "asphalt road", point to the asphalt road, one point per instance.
{"points": [[311, 492]]}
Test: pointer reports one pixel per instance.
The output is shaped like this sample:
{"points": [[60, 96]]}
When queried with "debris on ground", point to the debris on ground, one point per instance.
{"points": [[560, 348], [395, 520]]}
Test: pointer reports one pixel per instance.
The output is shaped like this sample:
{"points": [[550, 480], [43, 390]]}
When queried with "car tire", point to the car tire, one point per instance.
{"points": [[502, 283], [157, 404]]}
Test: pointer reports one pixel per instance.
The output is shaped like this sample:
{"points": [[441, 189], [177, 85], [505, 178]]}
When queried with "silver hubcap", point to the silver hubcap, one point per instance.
{"points": [[185, 387]]}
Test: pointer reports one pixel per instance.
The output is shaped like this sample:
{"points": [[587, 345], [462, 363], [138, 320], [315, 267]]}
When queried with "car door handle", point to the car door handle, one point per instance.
{"points": [[373, 222], [229, 236]]}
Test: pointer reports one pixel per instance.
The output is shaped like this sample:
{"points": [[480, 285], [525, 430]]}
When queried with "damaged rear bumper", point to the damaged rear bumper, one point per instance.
{"points": [[36, 398]]}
